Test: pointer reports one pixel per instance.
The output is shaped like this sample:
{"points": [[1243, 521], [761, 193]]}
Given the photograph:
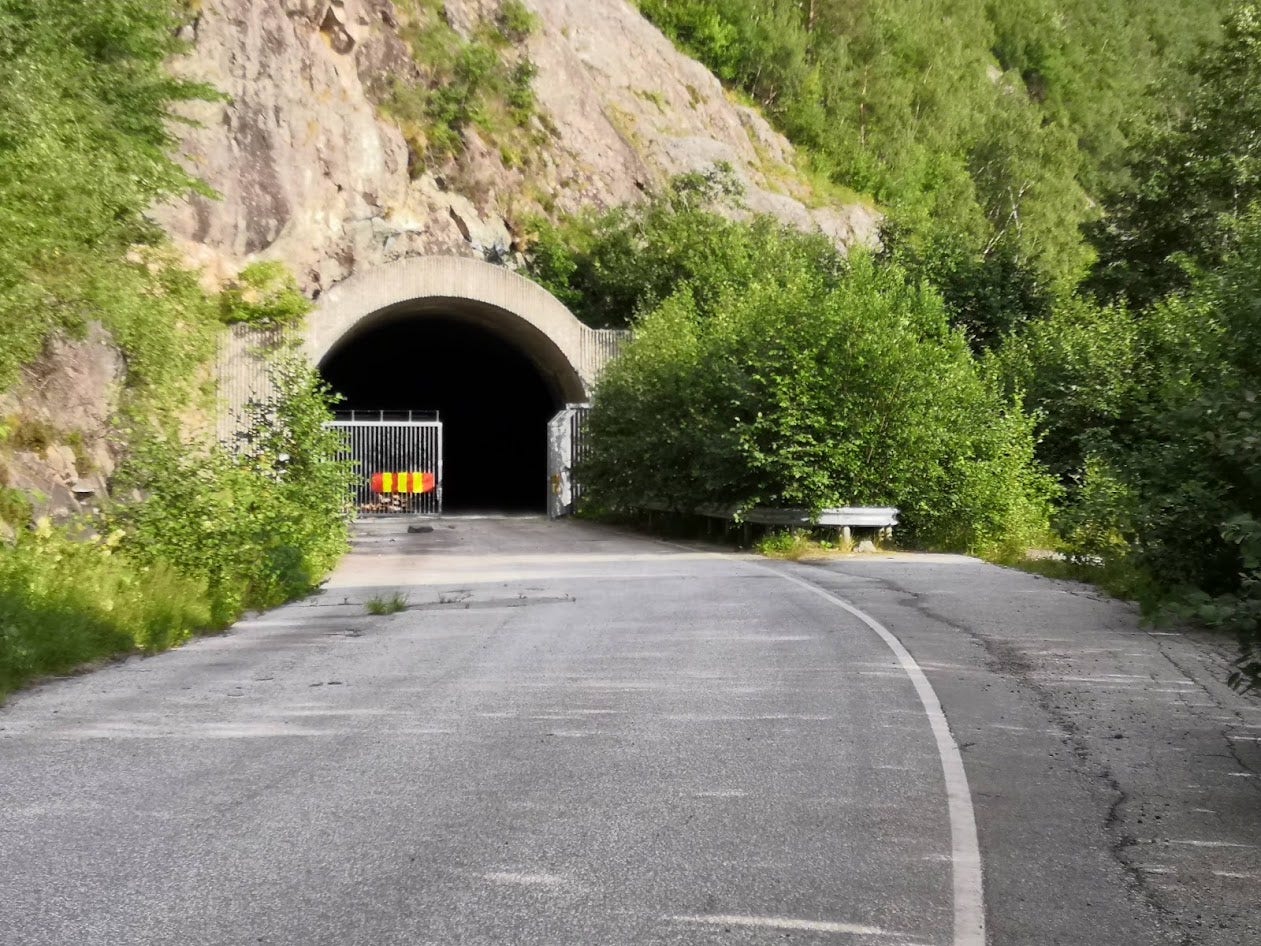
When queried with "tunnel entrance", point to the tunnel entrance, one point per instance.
{"points": [[493, 400]]}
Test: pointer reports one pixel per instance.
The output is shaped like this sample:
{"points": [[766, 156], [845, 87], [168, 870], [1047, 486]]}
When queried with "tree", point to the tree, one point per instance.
{"points": [[1194, 178]]}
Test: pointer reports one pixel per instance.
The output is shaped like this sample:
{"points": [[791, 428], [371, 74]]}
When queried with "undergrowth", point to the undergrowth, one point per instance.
{"points": [[220, 530], [207, 530], [66, 603], [1115, 577], [483, 81], [794, 546]]}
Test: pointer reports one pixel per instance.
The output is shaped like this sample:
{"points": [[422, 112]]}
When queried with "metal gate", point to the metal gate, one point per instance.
{"points": [[566, 446], [398, 461]]}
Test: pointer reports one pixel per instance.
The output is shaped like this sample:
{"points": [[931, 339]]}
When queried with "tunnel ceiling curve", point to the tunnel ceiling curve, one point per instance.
{"points": [[495, 299]]}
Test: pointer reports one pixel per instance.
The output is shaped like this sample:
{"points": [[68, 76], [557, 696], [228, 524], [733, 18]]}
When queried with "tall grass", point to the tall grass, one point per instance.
{"points": [[65, 604]]}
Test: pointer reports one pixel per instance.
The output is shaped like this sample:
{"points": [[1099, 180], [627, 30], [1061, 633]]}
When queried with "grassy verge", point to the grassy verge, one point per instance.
{"points": [[65, 604], [795, 546], [1113, 577], [220, 531]]}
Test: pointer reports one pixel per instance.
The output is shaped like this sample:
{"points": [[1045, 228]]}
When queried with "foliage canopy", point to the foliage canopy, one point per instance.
{"points": [[768, 370]]}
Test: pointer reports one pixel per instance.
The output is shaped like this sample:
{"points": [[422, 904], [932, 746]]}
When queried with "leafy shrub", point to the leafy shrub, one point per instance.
{"points": [[815, 387], [1190, 447], [31, 435], [1079, 370], [84, 139], [1239, 610], [260, 523], [264, 295], [1153, 420], [790, 546], [514, 22], [15, 507], [461, 82], [610, 267], [85, 131], [218, 531]]}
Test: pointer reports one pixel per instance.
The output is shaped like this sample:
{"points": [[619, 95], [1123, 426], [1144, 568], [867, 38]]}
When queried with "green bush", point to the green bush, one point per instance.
{"points": [[260, 523], [1079, 371], [1153, 419], [15, 507], [809, 388], [514, 22], [1239, 610], [462, 82], [264, 295], [85, 133], [610, 267], [790, 546]]}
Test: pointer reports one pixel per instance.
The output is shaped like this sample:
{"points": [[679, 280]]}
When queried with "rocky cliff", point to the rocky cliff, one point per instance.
{"points": [[310, 171]]}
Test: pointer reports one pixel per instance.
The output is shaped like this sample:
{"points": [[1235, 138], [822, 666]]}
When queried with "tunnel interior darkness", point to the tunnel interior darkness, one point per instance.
{"points": [[493, 400]]}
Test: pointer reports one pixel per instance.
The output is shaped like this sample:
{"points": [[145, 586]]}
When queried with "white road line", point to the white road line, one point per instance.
{"points": [[968, 887], [1195, 843], [969, 896], [782, 923]]}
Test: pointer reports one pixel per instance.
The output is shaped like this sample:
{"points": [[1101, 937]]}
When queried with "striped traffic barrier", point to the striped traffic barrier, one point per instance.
{"points": [[413, 483]]}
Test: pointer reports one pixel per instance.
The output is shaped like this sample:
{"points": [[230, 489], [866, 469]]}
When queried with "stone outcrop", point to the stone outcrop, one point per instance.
{"points": [[58, 419], [310, 173]]}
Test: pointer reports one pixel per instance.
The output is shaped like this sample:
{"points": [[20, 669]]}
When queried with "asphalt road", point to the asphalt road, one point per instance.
{"points": [[577, 736]]}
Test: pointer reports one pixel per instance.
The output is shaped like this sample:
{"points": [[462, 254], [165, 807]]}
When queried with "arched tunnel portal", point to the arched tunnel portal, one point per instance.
{"points": [[493, 353]]}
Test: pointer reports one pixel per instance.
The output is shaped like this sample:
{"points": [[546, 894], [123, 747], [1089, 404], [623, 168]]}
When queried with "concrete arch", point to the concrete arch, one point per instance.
{"points": [[567, 353]]}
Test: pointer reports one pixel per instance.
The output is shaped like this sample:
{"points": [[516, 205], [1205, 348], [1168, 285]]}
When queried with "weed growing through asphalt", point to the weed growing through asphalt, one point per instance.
{"points": [[381, 605]]}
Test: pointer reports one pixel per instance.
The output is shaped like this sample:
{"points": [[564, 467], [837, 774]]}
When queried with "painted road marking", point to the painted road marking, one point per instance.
{"points": [[969, 896], [782, 923], [968, 888]]}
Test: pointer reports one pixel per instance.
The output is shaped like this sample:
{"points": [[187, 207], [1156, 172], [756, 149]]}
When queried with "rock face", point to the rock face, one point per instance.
{"points": [[59, 416], [312, 175]]}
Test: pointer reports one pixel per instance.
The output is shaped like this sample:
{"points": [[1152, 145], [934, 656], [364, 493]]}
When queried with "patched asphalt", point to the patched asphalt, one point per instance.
{"points": [[574, 735]]}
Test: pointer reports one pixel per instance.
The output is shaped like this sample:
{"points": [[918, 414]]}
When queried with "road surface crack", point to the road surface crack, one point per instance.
{"points": [[1005, 660], [1223, 731]]}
